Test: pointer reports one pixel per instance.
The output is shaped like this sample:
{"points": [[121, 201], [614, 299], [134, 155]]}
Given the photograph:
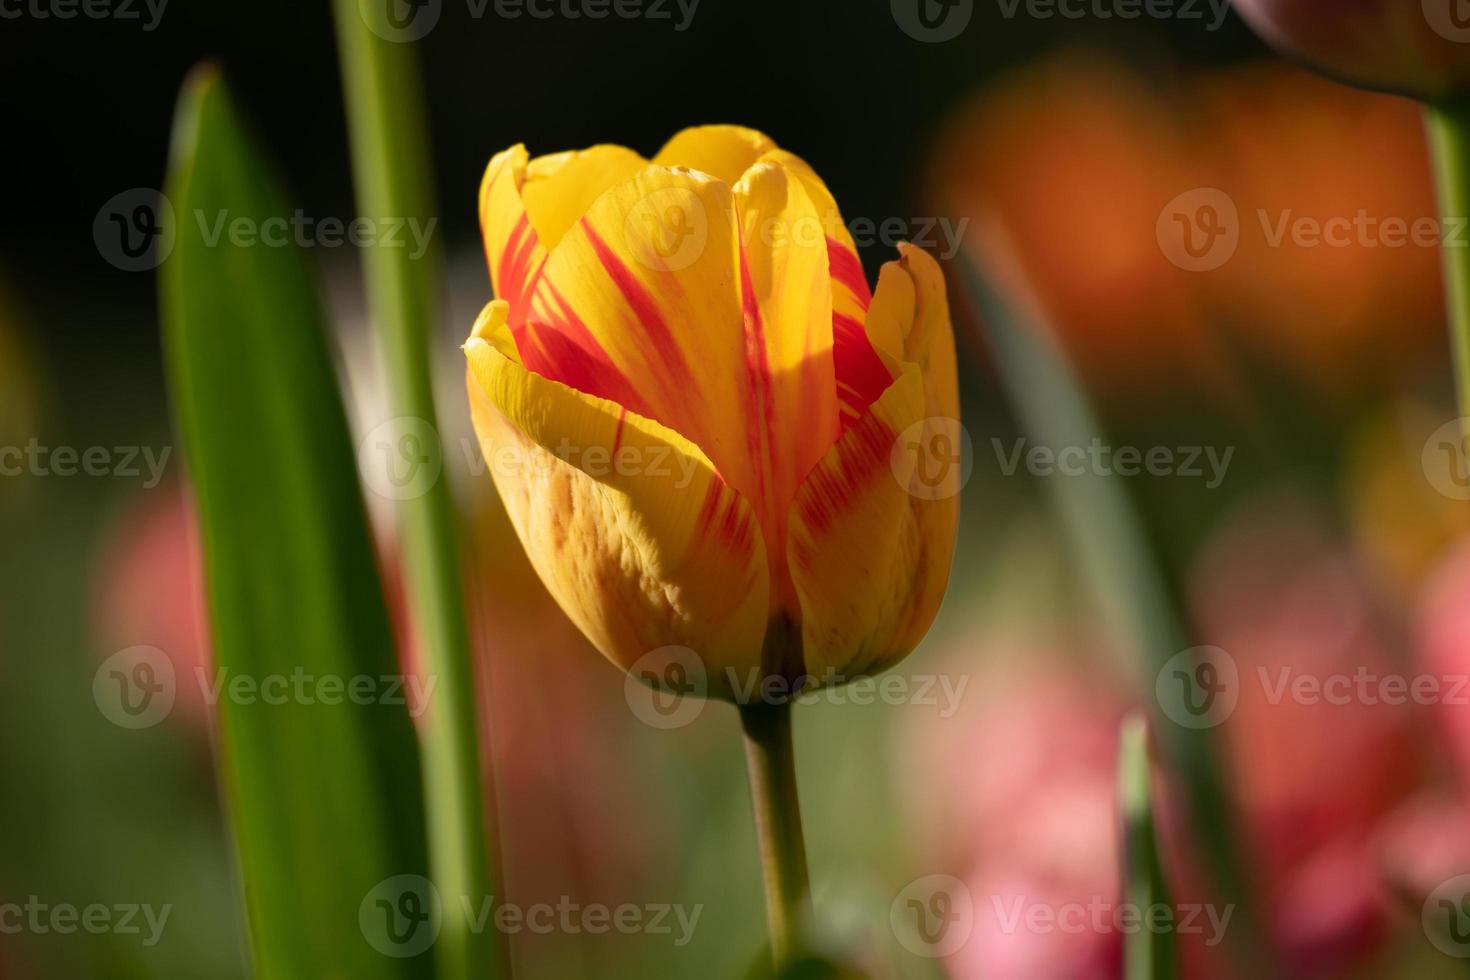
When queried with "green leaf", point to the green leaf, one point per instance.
{"points": [[323, 798], [1147, 954], [390, 171], [1121, 566]]}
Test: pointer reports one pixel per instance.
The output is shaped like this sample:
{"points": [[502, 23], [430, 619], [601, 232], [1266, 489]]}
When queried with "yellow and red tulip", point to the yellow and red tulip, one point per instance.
{"points": [[690, 399]]}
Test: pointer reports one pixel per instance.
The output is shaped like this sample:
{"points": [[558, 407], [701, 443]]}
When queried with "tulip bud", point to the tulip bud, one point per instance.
{"points": [[698, 413], [1419, 48]]}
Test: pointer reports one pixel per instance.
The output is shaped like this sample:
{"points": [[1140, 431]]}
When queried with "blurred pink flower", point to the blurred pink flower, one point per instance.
{"points": [[1315, 774], [1019, 793], [148, 590]]}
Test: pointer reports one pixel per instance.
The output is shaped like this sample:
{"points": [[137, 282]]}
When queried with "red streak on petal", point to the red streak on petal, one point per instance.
{"points": [[848, 270], [861, 374], [644, 307]]}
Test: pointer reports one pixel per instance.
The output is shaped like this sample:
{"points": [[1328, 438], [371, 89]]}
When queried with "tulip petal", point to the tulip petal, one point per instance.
{"points": [[648, 283], [723, 152], [929, 342], [787, 305], [625, 520], [559, 188], [512, 249], [869, 560], [860, 374]]}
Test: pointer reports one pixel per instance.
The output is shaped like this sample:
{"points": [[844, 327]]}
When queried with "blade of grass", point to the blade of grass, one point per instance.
{"points": [[1147, 954], [323, 798], [1118, 565], [385, 111]]}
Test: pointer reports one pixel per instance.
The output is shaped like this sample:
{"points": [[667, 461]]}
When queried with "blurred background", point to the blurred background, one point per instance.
{"points": [[1126, 209]]}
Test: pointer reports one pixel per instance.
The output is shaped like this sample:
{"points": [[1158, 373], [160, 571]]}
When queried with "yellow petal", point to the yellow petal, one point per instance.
{"points": [[870, 560], [648, 283], [512, 249], [860, 376], [723, 152], [929, 342], [625, 521], [561, 187], [787, 303]]}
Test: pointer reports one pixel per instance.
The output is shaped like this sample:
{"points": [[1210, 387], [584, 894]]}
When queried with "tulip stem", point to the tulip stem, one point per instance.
{"points": [[1449, 140], [771, 762]]}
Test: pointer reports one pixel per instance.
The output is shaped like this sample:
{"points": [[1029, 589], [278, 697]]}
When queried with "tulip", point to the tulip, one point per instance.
{"points": [[1420, 49], [700, 419], [1402, 46]]}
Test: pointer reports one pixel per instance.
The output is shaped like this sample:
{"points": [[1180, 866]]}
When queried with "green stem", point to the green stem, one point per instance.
{"points": [[390, 164], [1148, 954], [1449, 141], [771, 762]]}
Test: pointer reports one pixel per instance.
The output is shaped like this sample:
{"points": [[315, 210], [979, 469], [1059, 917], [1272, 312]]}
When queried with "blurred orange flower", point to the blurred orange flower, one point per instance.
{"points": [[1172, 242]]}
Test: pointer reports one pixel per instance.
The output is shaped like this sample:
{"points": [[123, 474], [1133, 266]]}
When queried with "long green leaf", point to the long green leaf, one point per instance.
{"points": [[390, 166], [323, 798], [1119, 565], [1147, 954]]}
